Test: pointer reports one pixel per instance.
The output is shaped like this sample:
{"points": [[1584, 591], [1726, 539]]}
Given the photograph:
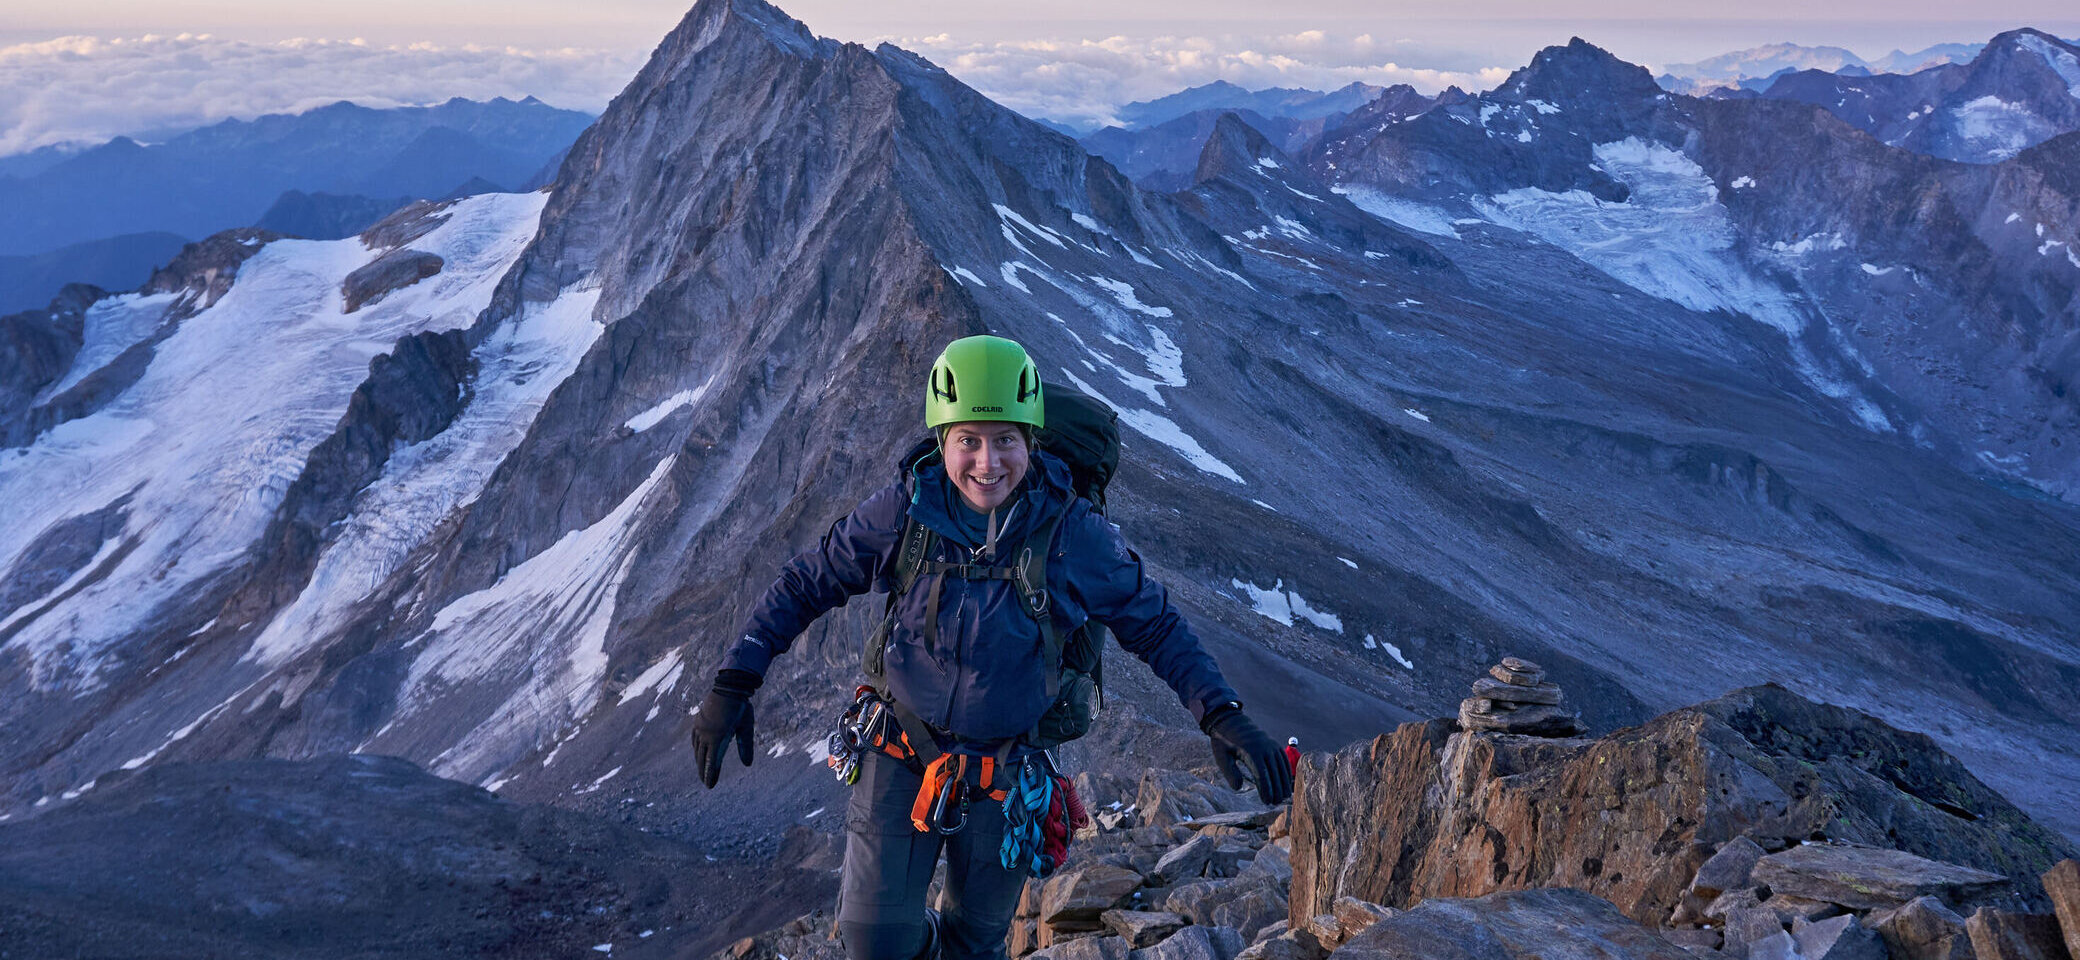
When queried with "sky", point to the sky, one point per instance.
{"points": [[82, 71]]}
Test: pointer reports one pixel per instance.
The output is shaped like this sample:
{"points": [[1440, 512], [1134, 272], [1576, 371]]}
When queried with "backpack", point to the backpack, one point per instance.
{"points": [[1084, 433]]}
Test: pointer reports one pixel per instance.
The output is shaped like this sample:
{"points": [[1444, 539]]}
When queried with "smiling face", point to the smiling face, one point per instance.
{"points": [[986, 460]]}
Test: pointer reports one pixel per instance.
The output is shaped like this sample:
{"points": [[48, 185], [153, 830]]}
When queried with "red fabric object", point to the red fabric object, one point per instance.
{"points": [[1293, 757], [1079, 817], [1054, 833]]}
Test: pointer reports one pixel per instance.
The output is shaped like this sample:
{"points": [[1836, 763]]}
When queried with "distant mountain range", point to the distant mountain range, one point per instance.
{"points": [[2021, 89], [1755, 67], [74, 211], [1294, 103]]}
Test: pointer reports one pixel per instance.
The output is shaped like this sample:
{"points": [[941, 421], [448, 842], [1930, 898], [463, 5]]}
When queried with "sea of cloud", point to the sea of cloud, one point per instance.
{"points": [[83, 90], [1082, 82]]}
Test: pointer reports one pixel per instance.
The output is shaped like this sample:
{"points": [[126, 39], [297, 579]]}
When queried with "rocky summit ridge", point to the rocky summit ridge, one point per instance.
{"points": [[1757, 824], [1470, 395]]}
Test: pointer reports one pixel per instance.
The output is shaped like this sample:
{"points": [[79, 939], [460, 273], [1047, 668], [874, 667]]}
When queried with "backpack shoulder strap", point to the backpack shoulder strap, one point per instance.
{"points": [[916, 541], [912, 545], [1032, 590]]}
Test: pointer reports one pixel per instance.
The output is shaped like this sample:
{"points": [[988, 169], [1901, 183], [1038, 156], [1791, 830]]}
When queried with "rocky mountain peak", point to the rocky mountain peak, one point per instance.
{"points": [[1579, 72], [1235, 146]]}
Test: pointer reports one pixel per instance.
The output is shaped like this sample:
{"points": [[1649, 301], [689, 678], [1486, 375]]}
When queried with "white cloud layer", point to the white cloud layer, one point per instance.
{"points": [[87, 89], [84, 89], [1082, 82]]}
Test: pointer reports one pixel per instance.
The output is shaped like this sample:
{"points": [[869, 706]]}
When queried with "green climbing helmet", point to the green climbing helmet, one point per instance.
{"points": [[983, 378]]}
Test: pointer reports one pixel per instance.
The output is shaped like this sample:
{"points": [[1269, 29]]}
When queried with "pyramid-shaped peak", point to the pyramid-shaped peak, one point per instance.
{"points": [[709, 20], [1580, 70], [1234, 146]]}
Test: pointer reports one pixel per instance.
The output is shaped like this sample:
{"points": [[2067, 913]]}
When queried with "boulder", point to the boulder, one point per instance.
{"points": [[1747, 927], [1186, 861], [1354, 915], [1226, 858], [2062, 886], [1190, 899], [1272, 863], [1086, 948], [1170, 797], [1274, 930], [1728, 869], [1776, 946], [1431, 812], [2001, 935], [1732, 900], [1142, 928], [392, 271], [1248, 914], [1081, 895], [1870, 878], [1838, 938], [1194, 943], [1281, 825], [1922, 929], [1791, 909], [1549, 924], [1029, 898], [1482, 714]]}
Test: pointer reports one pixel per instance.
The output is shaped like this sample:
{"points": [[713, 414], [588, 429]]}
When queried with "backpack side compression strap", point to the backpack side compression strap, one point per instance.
{"points": [[916, 541], [1032, 590]]}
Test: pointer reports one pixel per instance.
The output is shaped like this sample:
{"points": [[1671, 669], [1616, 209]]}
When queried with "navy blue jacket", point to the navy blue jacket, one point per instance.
{"points": [[985, 680]]}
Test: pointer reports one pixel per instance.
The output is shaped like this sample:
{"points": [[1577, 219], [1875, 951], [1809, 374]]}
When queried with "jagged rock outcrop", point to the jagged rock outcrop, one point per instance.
{"points": [[397, 268], [1428, 811], [36, 348]]}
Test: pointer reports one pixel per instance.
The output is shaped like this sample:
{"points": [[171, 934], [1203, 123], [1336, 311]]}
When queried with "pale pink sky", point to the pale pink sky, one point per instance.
{"points": [[81, 71]]}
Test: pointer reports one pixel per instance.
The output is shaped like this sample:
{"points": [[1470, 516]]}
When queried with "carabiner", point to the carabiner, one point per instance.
{"points": [[950, 807]]}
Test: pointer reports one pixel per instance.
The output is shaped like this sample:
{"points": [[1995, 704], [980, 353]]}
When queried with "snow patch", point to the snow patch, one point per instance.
{"points": [[111, 326], [207, 468], [1124, 293], [1543, 107], [540, 632], [1087, 223], [1418, 414], [1877, 271], [1038, 231], [1523, 136], [1266, 163], [1392, 651], [1264, 505], [1420, 217], [1997, 129], [655, 415], [662, 677], [1164, 431], [1670, 239], [2012, 218], [518, 366], [966, 276], [1742, 183], [1283, 605], [2061, 62], [1353, 564]]}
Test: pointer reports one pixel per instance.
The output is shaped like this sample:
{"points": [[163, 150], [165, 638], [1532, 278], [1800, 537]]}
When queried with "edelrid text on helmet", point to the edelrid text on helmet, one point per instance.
{"points": [[984, 378]]}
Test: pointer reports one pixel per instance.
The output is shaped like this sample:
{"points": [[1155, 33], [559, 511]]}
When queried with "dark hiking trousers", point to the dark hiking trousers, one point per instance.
{"points": [[889, 865]]}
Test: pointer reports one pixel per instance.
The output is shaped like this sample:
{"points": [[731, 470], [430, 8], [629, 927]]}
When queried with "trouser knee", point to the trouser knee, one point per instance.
{"points": [[882, 941]]}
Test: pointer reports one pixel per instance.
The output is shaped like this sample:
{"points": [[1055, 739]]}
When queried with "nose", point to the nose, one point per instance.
{"points": [[987, 459]]}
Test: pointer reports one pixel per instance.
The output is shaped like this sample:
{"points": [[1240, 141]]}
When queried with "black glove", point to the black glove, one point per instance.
{"points": [[1237, 741], [723, 715]]}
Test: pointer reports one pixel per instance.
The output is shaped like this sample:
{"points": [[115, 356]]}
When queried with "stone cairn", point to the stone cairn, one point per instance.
{"points": [[1516, 697]]}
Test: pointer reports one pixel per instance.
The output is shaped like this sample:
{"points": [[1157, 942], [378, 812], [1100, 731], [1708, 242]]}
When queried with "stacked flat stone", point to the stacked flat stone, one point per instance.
{"points": [[1516, 697]]}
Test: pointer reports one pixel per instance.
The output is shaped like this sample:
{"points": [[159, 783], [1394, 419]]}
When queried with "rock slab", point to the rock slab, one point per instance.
{"points": [[2062, 885], [2001, 935], [1870, 878]]}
